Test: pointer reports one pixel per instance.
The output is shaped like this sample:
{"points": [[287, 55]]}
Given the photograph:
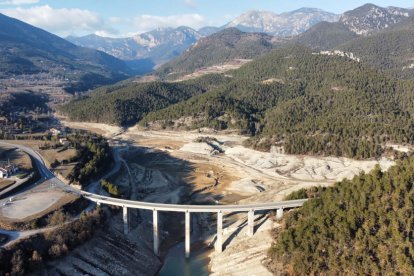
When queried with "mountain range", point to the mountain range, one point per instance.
{"points": [[152, 49], [221, 47], [281, 25], [25, 49], [306, 26], [148, 49], [175, 51]]}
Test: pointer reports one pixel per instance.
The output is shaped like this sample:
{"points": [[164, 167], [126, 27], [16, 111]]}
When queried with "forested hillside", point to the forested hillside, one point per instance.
{"points": [[309, 103], [390, 50], [25, 49], [325, 36], [218, 48], [126, 104], [362, 226]]}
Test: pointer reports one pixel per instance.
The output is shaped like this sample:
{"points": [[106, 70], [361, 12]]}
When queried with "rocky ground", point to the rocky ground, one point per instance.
{"points": [[109, 252], [174, 167]]}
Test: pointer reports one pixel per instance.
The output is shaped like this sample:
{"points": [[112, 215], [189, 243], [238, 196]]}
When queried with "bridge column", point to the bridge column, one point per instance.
{"points": [[279, 213], [250, 223], [155, 230], [98, 204], [187, 234], [219, 241], [125, 219]]}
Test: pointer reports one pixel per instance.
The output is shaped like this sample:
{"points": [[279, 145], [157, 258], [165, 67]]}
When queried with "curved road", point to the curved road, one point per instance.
{"points": [[193, 208], [48, 175]]}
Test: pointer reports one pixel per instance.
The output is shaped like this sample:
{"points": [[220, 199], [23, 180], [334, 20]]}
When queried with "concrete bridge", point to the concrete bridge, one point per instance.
{"points": [[188, 209], [46, 174]]}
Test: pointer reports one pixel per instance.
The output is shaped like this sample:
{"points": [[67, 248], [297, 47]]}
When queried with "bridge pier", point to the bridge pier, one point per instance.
{"points": [[155, 231], [279, 213], [219, 240], [187, 234], [125, 219], [250, 223]]}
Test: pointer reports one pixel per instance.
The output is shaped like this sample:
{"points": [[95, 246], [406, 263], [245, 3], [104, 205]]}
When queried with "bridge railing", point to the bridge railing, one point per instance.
{"points": [[188, 209]]}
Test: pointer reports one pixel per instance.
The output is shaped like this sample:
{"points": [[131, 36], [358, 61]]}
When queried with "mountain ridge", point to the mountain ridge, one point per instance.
{"points": [[26, 49], [284, 24]]}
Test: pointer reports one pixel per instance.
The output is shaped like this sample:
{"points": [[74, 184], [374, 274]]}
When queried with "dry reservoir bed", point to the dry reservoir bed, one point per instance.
{"points": [[223, 170]]}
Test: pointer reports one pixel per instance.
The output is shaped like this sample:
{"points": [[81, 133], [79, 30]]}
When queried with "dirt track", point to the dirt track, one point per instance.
{"points": [[161, 163]]}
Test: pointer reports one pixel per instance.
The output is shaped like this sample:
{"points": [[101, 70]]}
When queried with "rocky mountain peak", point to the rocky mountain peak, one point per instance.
{"points": [[284, 24], [368, 18]]}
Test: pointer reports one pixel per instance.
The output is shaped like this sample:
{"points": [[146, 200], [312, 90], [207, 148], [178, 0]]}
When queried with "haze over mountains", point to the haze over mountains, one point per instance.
{"points": [[25, 49], [281, 25], [315, 27], [150, 48], [265, 105], [287, 88], [177, 51], [161, 45]]}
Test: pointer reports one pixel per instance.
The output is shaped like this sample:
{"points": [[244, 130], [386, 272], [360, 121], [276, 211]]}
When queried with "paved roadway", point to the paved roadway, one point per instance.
{"points": [[193, 208], [47, 175]]}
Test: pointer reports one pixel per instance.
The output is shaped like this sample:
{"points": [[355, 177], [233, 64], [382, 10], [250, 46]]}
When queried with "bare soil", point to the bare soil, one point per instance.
{"points": [[171, 167], [4, 183], [16, 156], [29, 207]]}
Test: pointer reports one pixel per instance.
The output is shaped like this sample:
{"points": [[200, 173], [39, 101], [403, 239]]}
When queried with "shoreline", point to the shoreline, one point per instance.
{"points": [[256, 177]]}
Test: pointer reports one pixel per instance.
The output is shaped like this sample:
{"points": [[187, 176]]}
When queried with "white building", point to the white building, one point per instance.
{"points": [[7, 171], [64, 142], [55, 132], [3, 173]]}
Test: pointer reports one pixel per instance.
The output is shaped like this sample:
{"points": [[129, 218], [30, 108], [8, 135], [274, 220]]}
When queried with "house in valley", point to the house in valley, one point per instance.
{"points": [[8, 170]]}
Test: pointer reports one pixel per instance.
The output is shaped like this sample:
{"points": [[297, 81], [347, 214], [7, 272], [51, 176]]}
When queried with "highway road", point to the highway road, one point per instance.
{"points": [[47, 175], [193, 208]]}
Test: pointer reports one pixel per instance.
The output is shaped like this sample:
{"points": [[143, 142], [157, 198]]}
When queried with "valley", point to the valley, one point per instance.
{"points": [[268, 143], [170, 166]]}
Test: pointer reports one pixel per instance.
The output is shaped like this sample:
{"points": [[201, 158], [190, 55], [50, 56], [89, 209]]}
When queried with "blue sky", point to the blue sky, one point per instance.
{"points": [[126, 17]]}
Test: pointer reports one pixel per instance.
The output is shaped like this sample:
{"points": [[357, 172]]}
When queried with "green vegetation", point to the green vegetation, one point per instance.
{"points": [[127, 104], [362, 226], [325, 36], [53, 217], [312, 192], [308, 103], [389, 50], [314, 104], [29, 255], [218, 48], [29, 50], [110, 188], [94, 158]]}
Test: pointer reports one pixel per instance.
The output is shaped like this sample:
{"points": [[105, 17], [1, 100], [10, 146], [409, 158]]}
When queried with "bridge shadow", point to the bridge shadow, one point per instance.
{"points": [[258, 221], [155, 175]]}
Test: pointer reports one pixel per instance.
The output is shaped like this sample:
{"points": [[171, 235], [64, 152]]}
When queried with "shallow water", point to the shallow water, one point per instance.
{"points": [[176, 264]]}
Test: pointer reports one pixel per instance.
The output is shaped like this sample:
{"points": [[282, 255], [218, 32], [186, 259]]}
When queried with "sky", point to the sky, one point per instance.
{"points": [[122, 18]]}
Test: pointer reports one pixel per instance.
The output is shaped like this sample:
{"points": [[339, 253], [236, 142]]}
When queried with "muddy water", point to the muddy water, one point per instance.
{"points": [[175, 262]]}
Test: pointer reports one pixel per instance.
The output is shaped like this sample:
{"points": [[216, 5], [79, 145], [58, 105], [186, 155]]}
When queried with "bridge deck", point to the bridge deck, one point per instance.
{"points": [[193, 208]]}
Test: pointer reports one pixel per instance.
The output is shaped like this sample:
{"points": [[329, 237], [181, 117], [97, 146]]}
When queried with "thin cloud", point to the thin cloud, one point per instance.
{"points": [[19, 2], [61, 21], [191, 3], [73, 21], [147, 22]]}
